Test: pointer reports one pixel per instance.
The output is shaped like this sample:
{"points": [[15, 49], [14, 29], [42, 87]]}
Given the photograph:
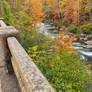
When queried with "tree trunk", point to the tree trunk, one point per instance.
{"points": [[90, 12], [1, 7]]}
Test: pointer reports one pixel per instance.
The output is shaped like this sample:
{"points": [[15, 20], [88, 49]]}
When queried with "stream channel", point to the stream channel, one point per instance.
{"points": [[84, 53]]}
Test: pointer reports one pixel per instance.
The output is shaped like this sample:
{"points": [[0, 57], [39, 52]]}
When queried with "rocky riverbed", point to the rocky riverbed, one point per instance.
{"points": [[84, 41]]}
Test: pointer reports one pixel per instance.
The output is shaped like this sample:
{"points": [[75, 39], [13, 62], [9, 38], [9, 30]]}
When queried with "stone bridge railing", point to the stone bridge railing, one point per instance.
{"points": [[29, 77]]}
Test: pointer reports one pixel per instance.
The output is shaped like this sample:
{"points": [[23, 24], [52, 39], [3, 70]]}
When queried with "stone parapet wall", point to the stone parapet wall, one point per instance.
{"points": [[29, 76], [8, 82]]}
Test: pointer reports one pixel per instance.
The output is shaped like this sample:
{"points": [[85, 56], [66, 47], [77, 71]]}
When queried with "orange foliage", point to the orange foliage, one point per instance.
{"points": [[64, 42], [36, 11], [70, 12], [75, 11]]}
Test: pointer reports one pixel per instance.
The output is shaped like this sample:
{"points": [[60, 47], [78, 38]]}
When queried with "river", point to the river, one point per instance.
{"points": [[84, 53]]}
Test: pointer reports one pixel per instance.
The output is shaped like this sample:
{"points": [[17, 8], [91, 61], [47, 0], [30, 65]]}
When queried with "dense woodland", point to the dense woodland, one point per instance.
{"points": [[56, 58]]}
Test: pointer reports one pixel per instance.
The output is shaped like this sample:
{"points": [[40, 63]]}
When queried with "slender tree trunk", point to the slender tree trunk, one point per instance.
{"points": [[13, 4], [90, 12], [1, 7]]}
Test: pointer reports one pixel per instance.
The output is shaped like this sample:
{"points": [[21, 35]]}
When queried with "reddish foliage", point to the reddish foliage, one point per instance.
{"points": [[56, 17], [64, 42]]}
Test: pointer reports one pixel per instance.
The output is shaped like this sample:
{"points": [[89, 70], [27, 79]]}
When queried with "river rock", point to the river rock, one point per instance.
{"points": [[85, 39], [51, 23], [84, 46], [56, 28], [60, 29], [55, 31], [82, 35], [89, 46], [89, 36], [81, 38], [51, 28], [88, 42]]}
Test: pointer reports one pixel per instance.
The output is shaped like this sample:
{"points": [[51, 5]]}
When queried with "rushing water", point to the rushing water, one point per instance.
{"points": [[86, 54]]}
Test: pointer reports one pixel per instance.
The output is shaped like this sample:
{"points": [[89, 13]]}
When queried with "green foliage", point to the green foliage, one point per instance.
{"points": [[23, 19], [6, 13], [49, 17], [72, 29], [87, 28], [35, 53], [78, 36], [66, 72], [39, 50], [58, 24], [32, 38]]}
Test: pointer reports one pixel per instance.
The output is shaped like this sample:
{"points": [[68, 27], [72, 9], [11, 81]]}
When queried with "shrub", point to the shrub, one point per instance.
{"points": [[58, 24], [6, 13], [66, 73], [78, 36], [72, 29], [64, 70], [87, 28], [32, 38]]}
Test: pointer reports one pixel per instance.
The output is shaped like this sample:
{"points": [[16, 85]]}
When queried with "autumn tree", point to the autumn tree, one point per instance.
{"points": [[90, 11], [84, 11], [36, 11], [69, 12], [49, 6]]}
